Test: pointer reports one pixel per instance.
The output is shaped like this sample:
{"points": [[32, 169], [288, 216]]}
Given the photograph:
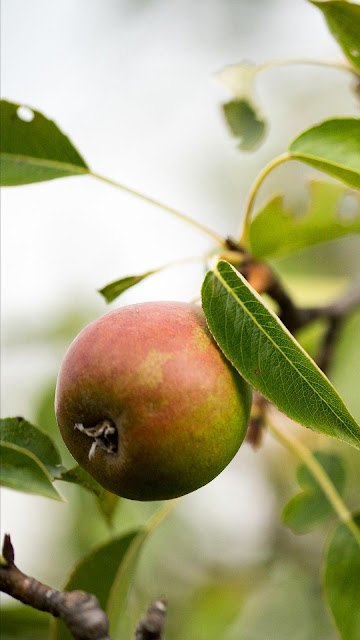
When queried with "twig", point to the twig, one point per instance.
{"points": [[257, 420], [152, 625], [80, 611]]}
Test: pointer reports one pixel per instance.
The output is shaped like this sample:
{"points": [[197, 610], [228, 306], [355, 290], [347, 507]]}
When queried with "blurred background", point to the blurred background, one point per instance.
{"points": [[131, 82]]}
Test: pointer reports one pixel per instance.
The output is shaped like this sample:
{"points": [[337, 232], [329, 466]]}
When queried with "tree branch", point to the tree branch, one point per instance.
{"points": [[152, 625], [80, 611]]}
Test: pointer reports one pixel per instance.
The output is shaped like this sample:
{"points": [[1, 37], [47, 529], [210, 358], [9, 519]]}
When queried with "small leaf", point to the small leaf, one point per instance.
{"points": [[242, 114], [245, 124], [341, 578], [277, 231], [115, 289], [33, 148], [95, 574], [343, 19], [332, 146], [22, 471], [126, 570], [107, 501], [256, 342], [22, 433], [311, 508]]}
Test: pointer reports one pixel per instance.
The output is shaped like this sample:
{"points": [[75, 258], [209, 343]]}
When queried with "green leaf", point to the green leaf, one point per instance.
{"points": [[120, 588], [242, 114], [22, 470], [332, 146], [23, 434], [343, 19], [256, 342], [277, 231], [115, 289], [245, 124], [21, 622], [341, 578], [96, 573], [33, 148], [107, 501], [311, 508]]}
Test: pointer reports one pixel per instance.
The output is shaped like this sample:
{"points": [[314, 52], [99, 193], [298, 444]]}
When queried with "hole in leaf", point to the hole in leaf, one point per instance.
{"points": [[348, 208], [25, 114], [355, 53]]}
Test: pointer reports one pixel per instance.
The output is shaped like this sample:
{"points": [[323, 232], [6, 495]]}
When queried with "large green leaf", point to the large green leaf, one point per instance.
{"points": [[341, 577], [114, 289], [107, 501], [332, 146], [242, 114], [22, 470], [277, 231], [23, 434], [33, 149], [343, 19], [120, 588], [311, 508], [21, 622], [95, 574], [269, 358]]}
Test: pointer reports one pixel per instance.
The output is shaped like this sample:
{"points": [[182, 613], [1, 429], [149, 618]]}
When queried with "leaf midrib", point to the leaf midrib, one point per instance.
{"points": [[297, 155], [232, 293], [44, 162]]}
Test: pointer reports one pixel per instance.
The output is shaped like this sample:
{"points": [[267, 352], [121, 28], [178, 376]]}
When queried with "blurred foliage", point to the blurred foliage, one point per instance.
{"points": [[24, 623]]}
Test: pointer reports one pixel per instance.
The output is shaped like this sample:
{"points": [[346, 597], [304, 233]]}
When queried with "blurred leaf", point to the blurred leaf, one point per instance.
{"points": [[269, 358], [242, 114], [106, 501], [346, 362], [277, 231], [22, 470], [341, 577], [211, 610], [20, 432], [343, 19], [311, 337], [115, 289], [126, 570], [310, 508], [285, 606], [33, 148], [244, 123], [332, 146], [21, 622], [95, 574]]}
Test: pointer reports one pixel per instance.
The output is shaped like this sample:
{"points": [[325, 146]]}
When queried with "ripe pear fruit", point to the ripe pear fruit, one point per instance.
{"points": [[147, 403]]}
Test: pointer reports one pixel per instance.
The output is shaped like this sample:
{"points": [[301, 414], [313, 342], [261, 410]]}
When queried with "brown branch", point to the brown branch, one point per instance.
{"points": [[80, 611], [257, 420], [152, 625]]}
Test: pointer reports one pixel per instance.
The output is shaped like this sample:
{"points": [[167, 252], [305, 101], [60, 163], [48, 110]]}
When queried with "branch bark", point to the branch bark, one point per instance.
{"points": [[80, 611], [152, 625]]}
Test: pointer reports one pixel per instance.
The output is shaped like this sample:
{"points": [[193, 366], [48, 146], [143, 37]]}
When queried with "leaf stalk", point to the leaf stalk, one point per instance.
{"points": [[181, 216], [249, 204], [324, 481]]}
